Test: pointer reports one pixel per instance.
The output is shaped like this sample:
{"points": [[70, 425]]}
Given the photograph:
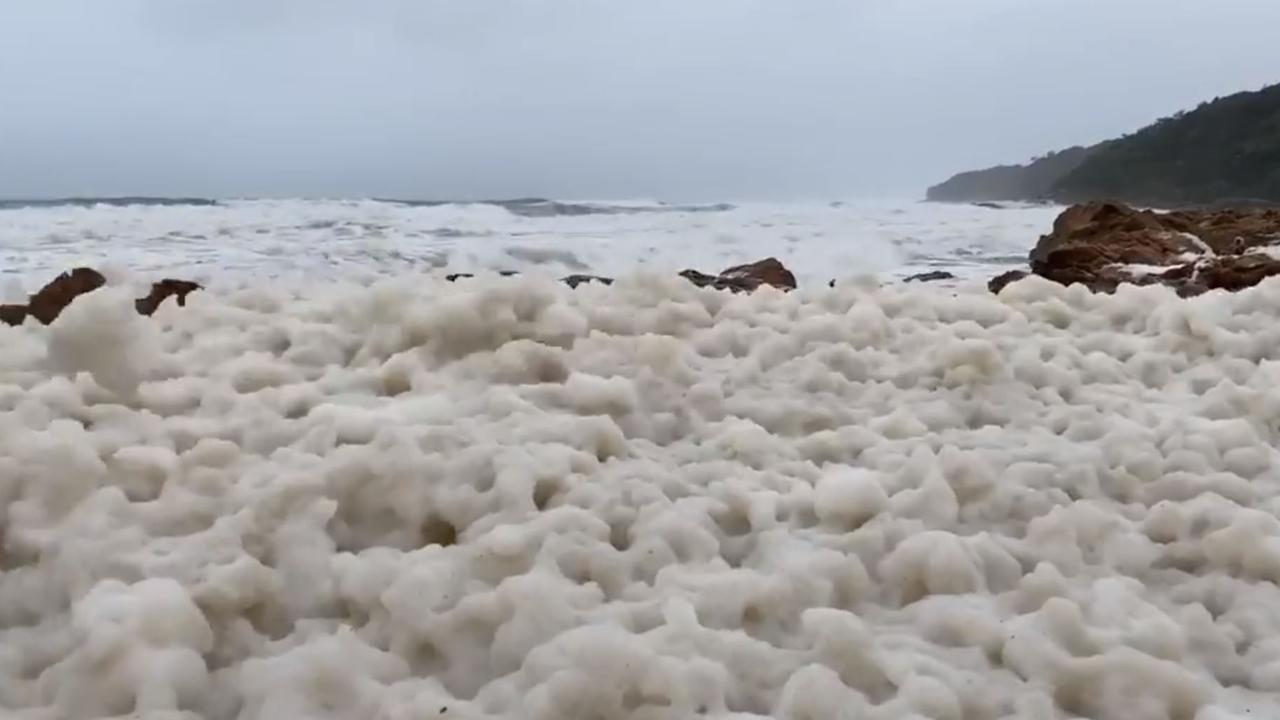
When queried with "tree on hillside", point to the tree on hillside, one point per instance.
{"points": [[1227, 149]]}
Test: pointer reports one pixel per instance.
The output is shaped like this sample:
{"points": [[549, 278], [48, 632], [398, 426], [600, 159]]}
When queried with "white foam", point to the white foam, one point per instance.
{"points": [[294, 239], [1196, 242], [509, 499], [1272, 250], [101, 333]]}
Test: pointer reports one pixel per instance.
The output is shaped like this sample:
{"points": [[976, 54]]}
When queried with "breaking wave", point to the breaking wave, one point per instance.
{"points": [[523, 207], [230, 240], [541, 207]]}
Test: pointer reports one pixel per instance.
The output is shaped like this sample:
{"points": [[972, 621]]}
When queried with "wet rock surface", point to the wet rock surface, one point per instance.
{"points": [[1103, 245]]}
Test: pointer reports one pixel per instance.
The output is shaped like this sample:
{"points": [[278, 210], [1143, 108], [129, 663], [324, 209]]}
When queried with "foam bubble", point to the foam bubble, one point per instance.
{"points": [[101, 333]]}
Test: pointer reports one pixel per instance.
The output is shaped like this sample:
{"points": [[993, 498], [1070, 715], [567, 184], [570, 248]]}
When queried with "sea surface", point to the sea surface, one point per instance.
{"points": [[336, 485], [214, 241]]}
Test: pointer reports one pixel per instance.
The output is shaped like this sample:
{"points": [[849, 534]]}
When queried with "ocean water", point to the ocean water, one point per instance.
{"points": [[337, 486], [226, 242]]}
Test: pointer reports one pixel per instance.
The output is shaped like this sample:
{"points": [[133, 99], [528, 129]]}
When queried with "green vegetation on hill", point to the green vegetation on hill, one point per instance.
{"points": [[1033, 181], [1225, 151]]}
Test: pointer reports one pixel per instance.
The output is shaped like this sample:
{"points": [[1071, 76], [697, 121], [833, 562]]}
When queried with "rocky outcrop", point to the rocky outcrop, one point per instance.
{"points": [[745, 278], [454, 277], [1229, 272], [999, 282], [50, 300], [163, 290], [739, 278], [1104, 233], [1103, 245], [769, 271], [931, 276], [574, 281], [1230, 230], [47, 304], [13, 314]]}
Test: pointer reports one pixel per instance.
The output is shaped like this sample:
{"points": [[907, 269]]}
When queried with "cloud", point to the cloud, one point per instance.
{"points": [[707, 99]]}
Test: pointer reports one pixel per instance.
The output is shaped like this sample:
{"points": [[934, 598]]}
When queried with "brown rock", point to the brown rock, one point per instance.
{"points": [[998, 283], [702, 279], [769, 271], [454, 277], [574, 281], [47, 304], [745, 278], [164, 289], [739, 278], [931, 276], [1101, 233], [1091, 244], [1229, 272], [1231, 231], [13, 314]]}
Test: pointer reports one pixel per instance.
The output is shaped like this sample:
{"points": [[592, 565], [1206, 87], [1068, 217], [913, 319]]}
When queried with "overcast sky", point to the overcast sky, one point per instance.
{"points": [[667, 99]]}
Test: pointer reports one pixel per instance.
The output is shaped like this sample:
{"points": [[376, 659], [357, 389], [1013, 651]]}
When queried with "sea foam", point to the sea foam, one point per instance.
{"points": [[295, 240], [504, 498]]}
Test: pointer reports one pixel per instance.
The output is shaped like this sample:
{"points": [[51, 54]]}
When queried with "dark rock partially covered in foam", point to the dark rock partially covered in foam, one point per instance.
{"points": [[1103, 245], [739, 278], [745, 278], [454, 277], [999, 282], [574, 281], [49, 302], [931, 276], [163, 290]]}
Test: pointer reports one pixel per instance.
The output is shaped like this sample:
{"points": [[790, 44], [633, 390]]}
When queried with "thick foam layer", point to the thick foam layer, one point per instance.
{"points": [[508, 499]]}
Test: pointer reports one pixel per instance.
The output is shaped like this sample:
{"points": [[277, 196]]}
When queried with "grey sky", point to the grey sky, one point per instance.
{"points": [[673, 99]]}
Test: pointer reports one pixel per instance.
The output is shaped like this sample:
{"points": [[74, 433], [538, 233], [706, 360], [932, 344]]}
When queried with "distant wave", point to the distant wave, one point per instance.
{"points": [[15, 204], [542, 207], [523, 207]]}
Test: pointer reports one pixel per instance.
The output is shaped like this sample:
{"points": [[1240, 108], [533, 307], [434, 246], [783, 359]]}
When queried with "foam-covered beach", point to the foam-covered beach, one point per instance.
{"points": [[403, 497]]}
